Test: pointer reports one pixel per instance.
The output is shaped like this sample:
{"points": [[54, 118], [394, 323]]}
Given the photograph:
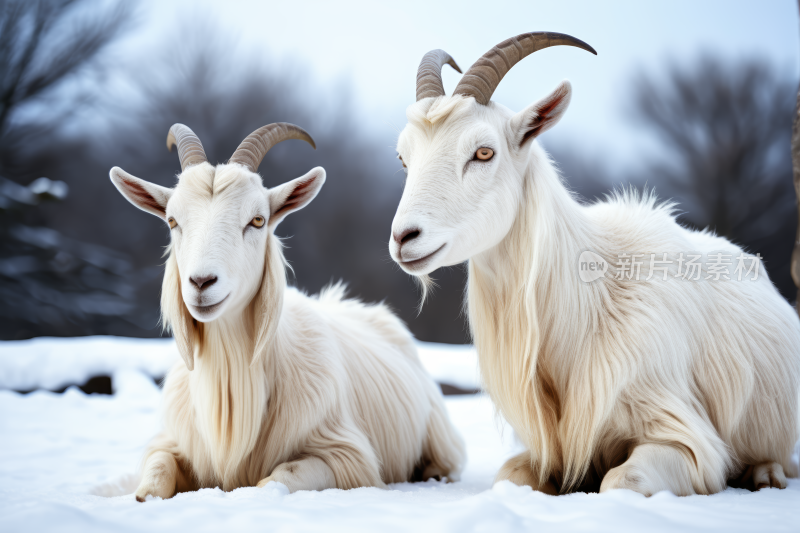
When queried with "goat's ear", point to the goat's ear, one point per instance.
{"points": [[294, 195], [143, 194], [541, 116]]}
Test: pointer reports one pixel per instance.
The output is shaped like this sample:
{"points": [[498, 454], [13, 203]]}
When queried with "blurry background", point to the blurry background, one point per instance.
{"points": [[694, 99]]}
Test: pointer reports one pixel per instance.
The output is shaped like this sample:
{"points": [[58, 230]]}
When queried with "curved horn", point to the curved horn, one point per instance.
{"points": [[485, 75], [429, 74], [257, 144], [190, 149]]}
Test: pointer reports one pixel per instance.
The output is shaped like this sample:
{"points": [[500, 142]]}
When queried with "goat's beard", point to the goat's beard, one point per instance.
{"points": [[426, 285], [229, 398]]}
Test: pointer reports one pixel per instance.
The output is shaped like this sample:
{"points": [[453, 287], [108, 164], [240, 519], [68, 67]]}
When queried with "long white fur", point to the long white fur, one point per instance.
{"points": [[649, 385], [311, 392]]}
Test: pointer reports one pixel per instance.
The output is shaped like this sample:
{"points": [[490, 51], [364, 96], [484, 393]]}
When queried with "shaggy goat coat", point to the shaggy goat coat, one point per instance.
{"points": [[587, 372], [644, 382], [294, 377]]}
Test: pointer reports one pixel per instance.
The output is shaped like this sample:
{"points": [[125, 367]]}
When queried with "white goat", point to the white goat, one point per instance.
{"points": [[276, 386], [649, 385]]}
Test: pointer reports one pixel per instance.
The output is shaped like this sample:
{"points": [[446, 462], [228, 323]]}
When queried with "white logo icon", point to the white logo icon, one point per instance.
{"points": [[591, 266]]}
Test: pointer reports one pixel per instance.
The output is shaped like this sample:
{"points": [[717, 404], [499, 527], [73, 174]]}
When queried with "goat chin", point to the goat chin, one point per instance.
{"points": [[312, 392], [650, 385]]}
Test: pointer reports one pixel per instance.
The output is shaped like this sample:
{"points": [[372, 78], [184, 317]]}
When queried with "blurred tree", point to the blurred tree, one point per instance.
{"points": [[49, 283], [724, 130], [796, 167], [223, 93], [584, 172], [52, 284], [45, 44]]}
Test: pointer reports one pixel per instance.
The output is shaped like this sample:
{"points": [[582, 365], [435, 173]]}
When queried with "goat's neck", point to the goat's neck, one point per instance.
{"points": [[525, 301], [534, 269]]}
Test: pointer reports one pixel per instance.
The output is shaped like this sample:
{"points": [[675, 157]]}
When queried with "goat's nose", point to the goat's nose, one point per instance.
{"points": [[408, 234], [203, 282]]}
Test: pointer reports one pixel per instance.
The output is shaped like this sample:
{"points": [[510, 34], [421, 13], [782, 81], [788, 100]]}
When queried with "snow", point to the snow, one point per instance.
{"points": [[53, 363], [452, 364], [57, 451]]}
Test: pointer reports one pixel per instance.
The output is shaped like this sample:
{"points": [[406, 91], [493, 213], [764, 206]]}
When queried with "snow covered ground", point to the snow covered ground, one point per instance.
{"points": [[53, 363], [57, 451]]}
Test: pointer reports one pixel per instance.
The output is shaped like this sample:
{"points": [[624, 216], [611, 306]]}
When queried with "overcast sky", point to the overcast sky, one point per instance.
{"points": [[375, 48]]}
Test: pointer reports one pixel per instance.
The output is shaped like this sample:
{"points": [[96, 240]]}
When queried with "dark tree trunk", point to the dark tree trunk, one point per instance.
{"points": [[796, 166]]}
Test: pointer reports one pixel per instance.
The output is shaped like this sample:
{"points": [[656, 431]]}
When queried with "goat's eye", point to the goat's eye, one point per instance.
{"points": [[484, 154], [258, 221], [172, 223]]}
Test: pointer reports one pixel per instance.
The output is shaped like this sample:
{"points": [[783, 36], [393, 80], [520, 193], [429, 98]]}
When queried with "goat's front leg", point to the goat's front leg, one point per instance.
{"points": [[518, 471], [652, 468], [761, 476], [308, 473], [163, 476]]}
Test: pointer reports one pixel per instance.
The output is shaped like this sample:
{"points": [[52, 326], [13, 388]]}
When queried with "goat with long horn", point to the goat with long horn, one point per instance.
{"points": [[651, 383], [274, 385]]}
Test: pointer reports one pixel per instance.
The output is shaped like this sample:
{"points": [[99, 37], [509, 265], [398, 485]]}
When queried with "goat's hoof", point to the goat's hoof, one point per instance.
{"points": [[517, 470], [769, 475], [153, 490], [625, 477], [263, 483], [280, 486]]}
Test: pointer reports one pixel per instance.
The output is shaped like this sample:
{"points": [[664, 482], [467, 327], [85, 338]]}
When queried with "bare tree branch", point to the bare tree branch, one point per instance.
{"points": [[724, 128], [45, 42]]}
